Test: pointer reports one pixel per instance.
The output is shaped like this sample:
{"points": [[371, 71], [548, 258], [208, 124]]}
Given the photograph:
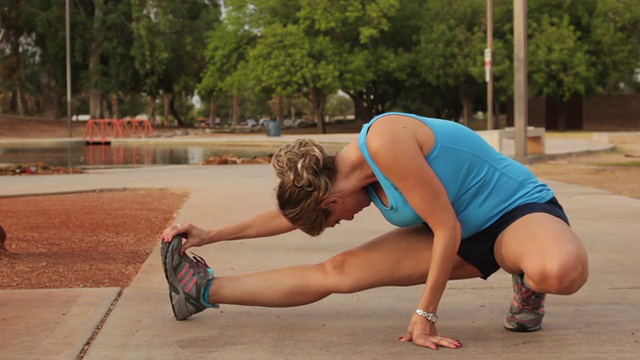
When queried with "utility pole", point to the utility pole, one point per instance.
{"points": [[521, 86], [68, 41], [488, 55]]}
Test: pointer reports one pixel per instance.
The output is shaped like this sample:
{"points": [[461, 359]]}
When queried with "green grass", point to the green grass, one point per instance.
{"points": [[629, 164]]}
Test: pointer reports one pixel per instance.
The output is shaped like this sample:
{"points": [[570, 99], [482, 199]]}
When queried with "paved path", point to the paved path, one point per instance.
{"points": [[601, 321]]}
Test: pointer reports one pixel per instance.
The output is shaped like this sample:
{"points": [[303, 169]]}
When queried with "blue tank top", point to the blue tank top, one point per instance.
{"points": [[482, 184]]}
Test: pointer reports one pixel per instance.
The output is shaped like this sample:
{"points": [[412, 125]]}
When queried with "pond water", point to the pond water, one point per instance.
{"points": [[81, 155]]}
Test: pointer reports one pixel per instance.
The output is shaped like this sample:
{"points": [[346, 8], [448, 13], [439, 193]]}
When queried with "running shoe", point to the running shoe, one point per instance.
{"points": [[189, 280], [527, 310]]}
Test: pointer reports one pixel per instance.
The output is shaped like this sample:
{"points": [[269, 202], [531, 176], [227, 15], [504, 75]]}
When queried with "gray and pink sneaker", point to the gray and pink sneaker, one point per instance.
{"points": [[527, 310], [189, 280]]}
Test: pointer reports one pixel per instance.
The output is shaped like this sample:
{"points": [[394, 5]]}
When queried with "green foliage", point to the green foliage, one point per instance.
{"points": [[225, 54], [118, 64], [452, 43], [614, 44], [288, 62], [168, 44], [593, 46], [558, 63], [424, 56]]}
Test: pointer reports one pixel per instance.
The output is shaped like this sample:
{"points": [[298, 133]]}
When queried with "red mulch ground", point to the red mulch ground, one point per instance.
{"points": [[93, 239]]}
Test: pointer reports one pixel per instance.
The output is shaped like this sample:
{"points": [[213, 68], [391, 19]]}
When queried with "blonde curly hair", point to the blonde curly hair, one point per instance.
{"points": [[306, 174]]}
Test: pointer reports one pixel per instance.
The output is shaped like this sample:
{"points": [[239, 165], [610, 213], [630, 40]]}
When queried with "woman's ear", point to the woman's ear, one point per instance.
{"points": [[326, 203]]}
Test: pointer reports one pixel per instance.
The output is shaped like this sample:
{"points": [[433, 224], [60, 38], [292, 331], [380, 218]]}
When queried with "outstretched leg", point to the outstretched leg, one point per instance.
{"points": [[399, 258]]}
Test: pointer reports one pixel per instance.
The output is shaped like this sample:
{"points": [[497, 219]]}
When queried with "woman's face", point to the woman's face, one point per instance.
{"points": [[347, 207]]}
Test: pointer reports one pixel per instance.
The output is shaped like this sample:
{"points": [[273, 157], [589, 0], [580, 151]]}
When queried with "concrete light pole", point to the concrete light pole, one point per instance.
{"points": [[68, 42], [521, 85], [488, 58]]}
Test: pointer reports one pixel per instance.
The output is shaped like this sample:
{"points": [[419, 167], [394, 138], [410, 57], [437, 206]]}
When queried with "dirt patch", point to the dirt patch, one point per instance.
{"points": [[96, 239], [36, 169], [617, 170]]}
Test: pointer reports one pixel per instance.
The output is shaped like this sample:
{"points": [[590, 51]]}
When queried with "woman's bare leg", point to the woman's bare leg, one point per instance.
{"points": [[544, 248], [399, 258]]}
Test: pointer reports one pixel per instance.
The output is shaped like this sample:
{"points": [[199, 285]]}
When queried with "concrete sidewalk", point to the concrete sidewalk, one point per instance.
{"points": [[602, 320]]}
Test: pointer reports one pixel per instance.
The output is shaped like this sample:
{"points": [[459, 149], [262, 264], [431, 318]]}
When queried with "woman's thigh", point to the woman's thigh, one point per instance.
{"points": [[398, 258], [545, 249]]}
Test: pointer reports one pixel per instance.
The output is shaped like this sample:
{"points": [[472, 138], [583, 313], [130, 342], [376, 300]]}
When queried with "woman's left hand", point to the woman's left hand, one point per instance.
{"points": [[423, 333]]}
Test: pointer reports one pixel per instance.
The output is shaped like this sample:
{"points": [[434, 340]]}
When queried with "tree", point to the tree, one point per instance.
{"points": [[318, 48], [558, 62], [589, 47], [452, 42], [16, 29], [375, 38], [371, 58], [168, 40], [46, 68], [614, 45], [111, 72], [226, 55], [288, 61], [119, 75]]}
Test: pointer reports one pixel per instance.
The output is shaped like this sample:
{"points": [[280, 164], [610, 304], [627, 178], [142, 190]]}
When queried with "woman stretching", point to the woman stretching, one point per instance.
{"points": [[463, 210]]}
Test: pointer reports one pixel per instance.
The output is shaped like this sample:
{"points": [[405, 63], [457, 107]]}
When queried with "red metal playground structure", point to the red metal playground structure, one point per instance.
{"points": [[102, 131]]}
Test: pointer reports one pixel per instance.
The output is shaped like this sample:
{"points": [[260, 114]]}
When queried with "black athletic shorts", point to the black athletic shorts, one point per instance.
{"points": [[477, 249]]}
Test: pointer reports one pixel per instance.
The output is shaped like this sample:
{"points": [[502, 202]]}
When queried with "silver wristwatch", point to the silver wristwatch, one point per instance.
{"points": [[429, 316]]}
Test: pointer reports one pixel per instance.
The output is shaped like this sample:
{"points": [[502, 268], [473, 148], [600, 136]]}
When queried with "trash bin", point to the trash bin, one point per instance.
{"points": [[273, 128]]}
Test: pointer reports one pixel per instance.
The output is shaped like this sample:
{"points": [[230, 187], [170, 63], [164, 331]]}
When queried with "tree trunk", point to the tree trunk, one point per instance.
{"points": [[165, 101], [358, 107], [235, 114], [105, 109], [312, 106], [318, 99], [213, 110], [95, 103], [152, 109], [114, 106], [95, 94], [184, 102], [174, 112], [19, 76], [50, 96], [466, 110], [280, 108]]}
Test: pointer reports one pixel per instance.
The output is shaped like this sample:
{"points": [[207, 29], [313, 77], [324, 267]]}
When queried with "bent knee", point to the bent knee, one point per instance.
{"points": [[562, 278]]}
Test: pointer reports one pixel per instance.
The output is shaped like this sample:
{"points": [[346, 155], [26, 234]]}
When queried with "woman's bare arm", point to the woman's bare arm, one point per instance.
{"points": [[268, 223], [398, 145]]}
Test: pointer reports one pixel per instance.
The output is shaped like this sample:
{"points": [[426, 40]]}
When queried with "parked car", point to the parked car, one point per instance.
{"points": [[287, 123], [302, 123], [83, 117]]}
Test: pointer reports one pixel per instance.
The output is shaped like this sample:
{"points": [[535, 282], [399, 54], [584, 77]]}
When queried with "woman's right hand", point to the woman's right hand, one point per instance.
{"points": [[194, 235], [268, 223]]}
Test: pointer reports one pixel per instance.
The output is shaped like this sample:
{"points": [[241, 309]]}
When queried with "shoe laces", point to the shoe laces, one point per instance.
{"points": [[527, 299], [200, 265]]}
